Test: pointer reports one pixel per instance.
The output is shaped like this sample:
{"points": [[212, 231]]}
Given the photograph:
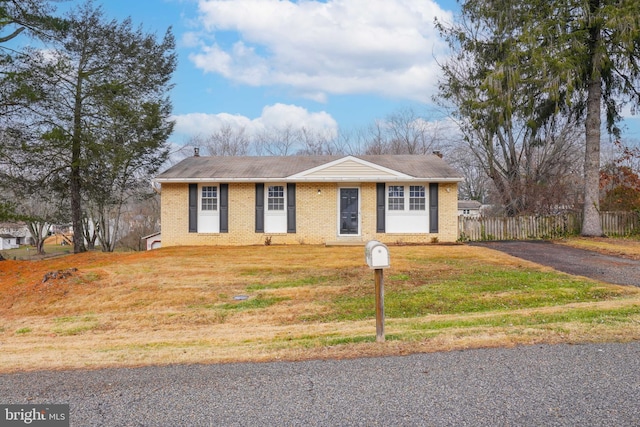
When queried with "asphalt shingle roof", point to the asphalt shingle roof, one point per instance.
{"points": [[469, 204], [428, 167]]}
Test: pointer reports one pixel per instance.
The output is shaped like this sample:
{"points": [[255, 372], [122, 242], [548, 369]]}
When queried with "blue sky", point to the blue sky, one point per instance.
{"points": [[324, 65]]}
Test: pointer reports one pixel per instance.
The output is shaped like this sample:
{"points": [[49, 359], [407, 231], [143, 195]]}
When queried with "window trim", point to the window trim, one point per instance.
{"points": [[407, 220], [406, 201], [398, 198], [422, 200]]}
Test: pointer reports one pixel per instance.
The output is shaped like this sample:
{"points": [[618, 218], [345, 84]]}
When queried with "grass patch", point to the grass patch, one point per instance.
{"points": [[305, 281], [259, 302], [23, 331], [26, 252], [74, 319], [90, 277], [348, 340], [480, 291], [77, 330], [310, 341], [75, 325], [586, 316]]}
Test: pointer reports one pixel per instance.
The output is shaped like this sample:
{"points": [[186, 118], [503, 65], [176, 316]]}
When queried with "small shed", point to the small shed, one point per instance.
{"points": [[153, 241]]}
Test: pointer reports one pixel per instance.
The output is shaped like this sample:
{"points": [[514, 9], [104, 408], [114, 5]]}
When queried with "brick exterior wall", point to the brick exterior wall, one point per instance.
{"points": [[316, 217]]}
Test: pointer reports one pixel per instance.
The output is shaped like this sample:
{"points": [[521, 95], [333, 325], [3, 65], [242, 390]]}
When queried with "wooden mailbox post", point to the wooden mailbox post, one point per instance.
{"points": [[377, 256]]}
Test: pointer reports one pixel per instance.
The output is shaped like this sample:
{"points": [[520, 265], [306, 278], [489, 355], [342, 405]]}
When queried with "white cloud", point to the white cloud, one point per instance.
{"points": [[335, 47], [190, 39], [275, 116]]}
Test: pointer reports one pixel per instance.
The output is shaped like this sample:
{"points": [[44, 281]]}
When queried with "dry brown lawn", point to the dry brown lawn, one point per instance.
{"points": [[185, 305], [627, 248]]}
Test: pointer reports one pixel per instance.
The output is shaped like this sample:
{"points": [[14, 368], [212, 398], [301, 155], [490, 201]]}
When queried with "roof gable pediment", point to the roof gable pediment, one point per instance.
{"points": [[348, 168]]}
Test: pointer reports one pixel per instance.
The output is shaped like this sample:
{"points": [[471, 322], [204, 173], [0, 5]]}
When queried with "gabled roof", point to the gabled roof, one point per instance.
{"points": [[381, 168], [4, 225], [469, 204], [157, 233]]}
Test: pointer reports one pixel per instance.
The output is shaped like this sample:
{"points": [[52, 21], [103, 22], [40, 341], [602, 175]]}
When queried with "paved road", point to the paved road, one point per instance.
{"points": [[563, 385], [574, 261]]}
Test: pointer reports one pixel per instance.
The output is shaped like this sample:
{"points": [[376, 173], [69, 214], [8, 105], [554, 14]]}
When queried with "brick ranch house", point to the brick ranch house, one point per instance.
{"points": [[309, 200]]}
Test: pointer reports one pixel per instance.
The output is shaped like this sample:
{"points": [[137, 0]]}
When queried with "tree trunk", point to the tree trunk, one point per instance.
{"points": [[40, 247], [36, 229], [90, 234], [76, 211], [75, 179], [591, 224]]}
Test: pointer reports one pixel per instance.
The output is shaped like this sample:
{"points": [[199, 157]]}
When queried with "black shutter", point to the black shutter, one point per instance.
{"points": [[224, 208], [193, 208], [380, 207], [259, 208], [291, 208], [433, 207]]}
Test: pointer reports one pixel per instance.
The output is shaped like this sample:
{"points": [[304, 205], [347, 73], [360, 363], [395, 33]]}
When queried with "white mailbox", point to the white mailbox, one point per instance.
{"points": [[376, 254]]}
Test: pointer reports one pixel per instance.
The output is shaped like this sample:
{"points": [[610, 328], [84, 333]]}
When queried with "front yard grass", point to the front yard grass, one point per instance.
{"points": [[223, 304]]}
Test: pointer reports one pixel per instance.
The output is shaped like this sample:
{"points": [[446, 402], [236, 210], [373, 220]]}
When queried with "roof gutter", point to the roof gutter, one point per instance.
{"points": [[284, 179]]}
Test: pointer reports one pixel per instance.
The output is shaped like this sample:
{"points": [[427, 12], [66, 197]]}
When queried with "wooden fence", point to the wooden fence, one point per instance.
{"points": [[543, 227]]}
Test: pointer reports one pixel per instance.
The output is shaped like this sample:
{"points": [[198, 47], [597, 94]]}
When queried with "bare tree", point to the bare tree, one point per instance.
{"points": [[475, 185], [140, 219], [375, 139], [318, 142], [278, 141], [36, 205], [226, 141], [404, 132]]}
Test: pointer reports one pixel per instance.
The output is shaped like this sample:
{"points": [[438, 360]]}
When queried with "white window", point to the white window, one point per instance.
{"points": [[275, 198], [396, 197], [208, 213], [417, 199], [275, 216], [407, 209], [209, 199]]}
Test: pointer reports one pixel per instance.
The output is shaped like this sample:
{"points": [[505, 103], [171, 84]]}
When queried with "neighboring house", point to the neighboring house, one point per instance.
{"points": [[18, 230], [309, 200], [7, 241], [469, 207]]}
